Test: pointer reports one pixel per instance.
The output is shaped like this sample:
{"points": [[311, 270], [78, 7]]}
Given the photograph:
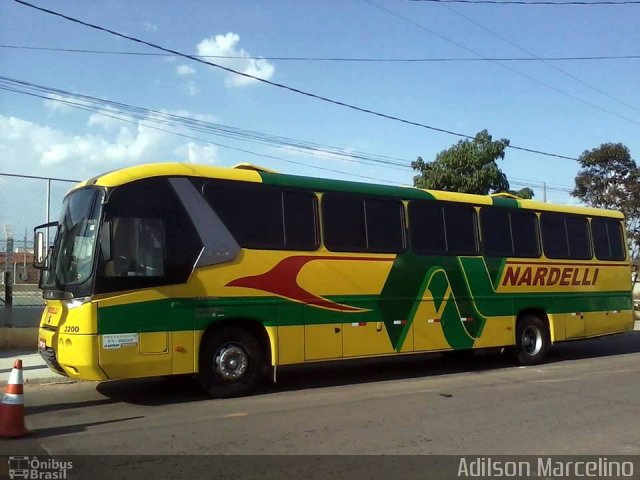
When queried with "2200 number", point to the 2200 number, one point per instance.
{"points": [[69, 329]]}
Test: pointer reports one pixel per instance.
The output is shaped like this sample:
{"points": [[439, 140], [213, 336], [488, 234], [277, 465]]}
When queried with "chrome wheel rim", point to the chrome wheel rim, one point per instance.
{"points": [[532, 340], [231, 362]]}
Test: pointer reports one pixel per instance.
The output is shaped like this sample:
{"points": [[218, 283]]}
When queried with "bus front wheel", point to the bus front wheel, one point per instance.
{"points": [[532, 340], [231, 363]]}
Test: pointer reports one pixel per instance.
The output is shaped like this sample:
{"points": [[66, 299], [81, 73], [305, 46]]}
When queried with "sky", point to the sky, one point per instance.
{"points": [[560, 107]]}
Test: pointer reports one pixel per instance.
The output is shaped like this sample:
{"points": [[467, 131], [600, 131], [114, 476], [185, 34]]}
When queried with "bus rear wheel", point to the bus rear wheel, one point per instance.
{"points": [[231, 363], [532, 340]]}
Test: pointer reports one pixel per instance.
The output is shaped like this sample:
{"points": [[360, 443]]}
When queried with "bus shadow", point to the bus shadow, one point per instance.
{"points": [[621, 344], [353, 372], [162, 391]]}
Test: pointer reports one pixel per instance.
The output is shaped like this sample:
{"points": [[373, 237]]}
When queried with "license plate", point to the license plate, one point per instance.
{"points": [[42, 344]]}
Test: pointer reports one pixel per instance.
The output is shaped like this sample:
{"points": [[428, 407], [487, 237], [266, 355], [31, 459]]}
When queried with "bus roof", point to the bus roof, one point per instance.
{"points": [[251, 173]]}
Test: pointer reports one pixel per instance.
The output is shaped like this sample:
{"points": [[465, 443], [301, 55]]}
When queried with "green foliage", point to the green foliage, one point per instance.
{"points": [[526, 193], [469, 167], [609, 178]]}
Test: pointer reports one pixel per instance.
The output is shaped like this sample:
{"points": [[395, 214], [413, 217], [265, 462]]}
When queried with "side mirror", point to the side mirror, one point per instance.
{"points": [[40, 247], [106, 242], [39, 250]]}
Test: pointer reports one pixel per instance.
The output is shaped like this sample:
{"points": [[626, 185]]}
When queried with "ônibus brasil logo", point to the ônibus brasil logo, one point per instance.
{"points": [[32, 468]]}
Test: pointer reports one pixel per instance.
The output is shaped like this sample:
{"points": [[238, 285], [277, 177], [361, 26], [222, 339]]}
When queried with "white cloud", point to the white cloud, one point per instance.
{"points": [[104, 121], [227, 45], [196, 153], [206, 117], [150, 27], [53, 104], [29, 147], [192, 88], [185, 70]]}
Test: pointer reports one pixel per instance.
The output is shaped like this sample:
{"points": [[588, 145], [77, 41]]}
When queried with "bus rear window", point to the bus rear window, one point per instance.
{"points": [[607, 239]]}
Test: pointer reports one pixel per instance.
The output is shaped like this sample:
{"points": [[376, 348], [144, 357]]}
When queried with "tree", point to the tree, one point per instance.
{"points": [[610, 178], [525, 192], [469, 167]]}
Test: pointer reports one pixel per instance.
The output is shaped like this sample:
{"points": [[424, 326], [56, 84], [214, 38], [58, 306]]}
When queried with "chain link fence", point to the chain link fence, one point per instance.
{"points": [[25, 202]]}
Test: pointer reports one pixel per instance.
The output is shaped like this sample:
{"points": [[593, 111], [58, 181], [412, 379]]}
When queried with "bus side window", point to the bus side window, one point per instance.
{"points": [[357, 223], [442, 228], [263, 217], [607, 239], [565, 236], [138, 248]]}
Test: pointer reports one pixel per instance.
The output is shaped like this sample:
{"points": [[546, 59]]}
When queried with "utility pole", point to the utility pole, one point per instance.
{"points": [[8, 268]]}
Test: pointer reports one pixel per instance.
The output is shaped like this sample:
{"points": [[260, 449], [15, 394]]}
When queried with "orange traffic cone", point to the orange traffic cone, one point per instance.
{"points": [[12, 408]]}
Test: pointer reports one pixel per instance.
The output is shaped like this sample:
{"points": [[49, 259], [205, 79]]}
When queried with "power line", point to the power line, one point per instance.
{"points": [[98, 105], [507, 67], [535, 2], [334, 59], [34, 177], [535, 56], [541, 183], [147, 125], [147, 118], [539, 186], [280, 85], [106, 108]]}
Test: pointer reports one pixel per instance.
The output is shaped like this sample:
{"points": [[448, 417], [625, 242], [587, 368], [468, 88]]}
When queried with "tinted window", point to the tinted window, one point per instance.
{"points": [[496, 232], [509, 233], [607, 239], [153, 239], [252, 215], [355, 223], [578, 236], [524, 231], [565, 236], [441, 228], [616, 240], [137, 247], [426, 227], [554, 235], [460, 228], [264, 217], [385, 226], [300, 221], [343, 223]]}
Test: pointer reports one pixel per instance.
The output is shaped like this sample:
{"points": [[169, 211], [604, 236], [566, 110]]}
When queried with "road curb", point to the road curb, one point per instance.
{"points": [[17, 338], [50, 379]]}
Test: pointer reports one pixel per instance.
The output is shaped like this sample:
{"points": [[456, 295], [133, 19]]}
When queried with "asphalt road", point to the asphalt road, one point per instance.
{"points": [[585, 400]]}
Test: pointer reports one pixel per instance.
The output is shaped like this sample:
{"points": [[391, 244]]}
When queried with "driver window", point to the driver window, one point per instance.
{"points": [[138, 248]]}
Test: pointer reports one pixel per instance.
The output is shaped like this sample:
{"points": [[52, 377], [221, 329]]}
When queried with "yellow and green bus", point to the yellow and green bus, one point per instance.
{"points": [[228, 273]]}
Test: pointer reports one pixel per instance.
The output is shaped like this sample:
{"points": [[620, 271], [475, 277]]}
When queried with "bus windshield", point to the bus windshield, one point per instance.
{"points": [[71, 263]]}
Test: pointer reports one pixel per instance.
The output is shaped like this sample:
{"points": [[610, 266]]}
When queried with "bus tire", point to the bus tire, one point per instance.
{"points": [[532, 340], [231, 363]]}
